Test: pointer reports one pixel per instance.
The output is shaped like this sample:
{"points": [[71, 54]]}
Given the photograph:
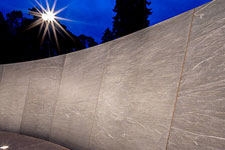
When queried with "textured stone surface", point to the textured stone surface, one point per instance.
{"points": [[78, 96], [1, 71], [139, 88], [42, 96], [13, 90], [20, 142], [121, 95], [208, 18], [199, 121]]}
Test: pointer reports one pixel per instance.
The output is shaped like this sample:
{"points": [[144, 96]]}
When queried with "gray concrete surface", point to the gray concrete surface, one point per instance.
{"points": [[199, 120], [139, 88], [13, 92], [161, 88], [78, 96], [41, 97]]}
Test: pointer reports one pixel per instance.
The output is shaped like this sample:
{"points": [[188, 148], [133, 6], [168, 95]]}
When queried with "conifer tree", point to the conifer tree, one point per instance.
{"points": [[107, 36], [131, 16]]}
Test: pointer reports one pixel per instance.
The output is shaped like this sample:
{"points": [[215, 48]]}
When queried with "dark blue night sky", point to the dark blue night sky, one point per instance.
{"points": [[92, 17]]}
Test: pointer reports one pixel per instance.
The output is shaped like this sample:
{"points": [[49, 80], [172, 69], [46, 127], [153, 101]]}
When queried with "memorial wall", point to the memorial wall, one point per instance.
{"points": [[161, 88]]}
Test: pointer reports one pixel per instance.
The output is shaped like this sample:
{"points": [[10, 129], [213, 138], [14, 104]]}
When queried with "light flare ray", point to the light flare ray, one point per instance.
{"points": [[48, 20], [38, 10], [59, 11], [47, 4], [60, 18], [55, 35], [45, 31], [41, 27], [63, 30], [34, 24], [35, 14], [43, 9], [53, 6]]}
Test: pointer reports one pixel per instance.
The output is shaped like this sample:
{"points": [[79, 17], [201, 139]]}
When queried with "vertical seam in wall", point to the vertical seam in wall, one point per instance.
{"points": [[57, 97], [3, 68], [28, 86], [99, 93], [181, 77]]}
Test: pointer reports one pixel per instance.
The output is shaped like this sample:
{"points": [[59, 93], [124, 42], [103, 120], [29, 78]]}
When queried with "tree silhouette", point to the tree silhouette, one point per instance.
{"points": [[21, 44], [3, 23], [87, 41], [131, 16], [5, 38], [107, 36], [14, 19], [4, 30]]}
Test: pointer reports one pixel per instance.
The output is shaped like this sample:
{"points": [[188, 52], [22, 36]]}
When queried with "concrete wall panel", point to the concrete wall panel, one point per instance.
{"points": [[1, 71], [78, 97], [13, 91], [139, 88], [42, 96], [199, 121], [124, 94], [21, 142]]}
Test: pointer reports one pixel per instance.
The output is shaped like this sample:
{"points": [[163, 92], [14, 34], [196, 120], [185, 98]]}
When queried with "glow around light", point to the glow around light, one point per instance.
{"points": [[49, 16], [48, 20], [4, 147]]}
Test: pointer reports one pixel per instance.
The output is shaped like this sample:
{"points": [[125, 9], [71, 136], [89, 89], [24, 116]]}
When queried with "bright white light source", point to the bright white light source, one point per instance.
{"points": [[49, 16], [48, 20], [4, 147]]}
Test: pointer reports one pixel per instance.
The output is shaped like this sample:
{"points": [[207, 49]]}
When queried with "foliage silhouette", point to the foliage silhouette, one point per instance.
{"points": [[107, 36], [131, 16], [19, 44]]}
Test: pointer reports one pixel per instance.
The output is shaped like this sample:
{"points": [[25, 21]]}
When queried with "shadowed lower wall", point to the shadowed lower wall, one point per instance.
{"points": [[160, 88]]}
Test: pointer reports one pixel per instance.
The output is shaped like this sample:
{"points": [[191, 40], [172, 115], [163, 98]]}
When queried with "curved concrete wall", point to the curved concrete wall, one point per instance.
{"points": [[21, 142], [160, 88]]}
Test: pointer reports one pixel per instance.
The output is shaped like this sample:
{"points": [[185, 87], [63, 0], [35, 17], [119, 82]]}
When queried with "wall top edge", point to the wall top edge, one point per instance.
{"points": [[104, 44]]}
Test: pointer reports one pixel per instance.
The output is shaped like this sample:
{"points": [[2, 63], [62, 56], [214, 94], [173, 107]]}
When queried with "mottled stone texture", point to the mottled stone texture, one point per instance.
{"points": [[13, 91], [1, 71], [78, 96], [124, 95], [199, 121], [20, 142], [139, 88], [42, 96]]}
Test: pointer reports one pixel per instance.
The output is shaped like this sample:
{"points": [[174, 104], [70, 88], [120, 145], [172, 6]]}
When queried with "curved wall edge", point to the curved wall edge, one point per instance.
{"points": [[159, 88], [21, 142]]}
